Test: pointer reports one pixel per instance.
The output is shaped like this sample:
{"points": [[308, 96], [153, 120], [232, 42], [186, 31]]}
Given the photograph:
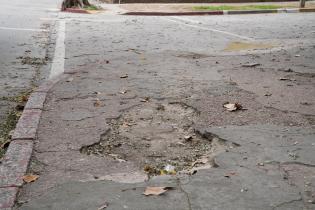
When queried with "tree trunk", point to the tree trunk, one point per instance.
{"points": [[74, 3]]}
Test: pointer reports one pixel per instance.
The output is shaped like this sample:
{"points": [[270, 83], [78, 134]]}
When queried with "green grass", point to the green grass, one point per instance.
{"points": [[244, 7], [92, 7]]}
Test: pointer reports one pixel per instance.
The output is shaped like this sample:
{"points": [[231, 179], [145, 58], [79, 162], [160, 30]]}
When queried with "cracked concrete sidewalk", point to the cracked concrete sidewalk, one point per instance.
{"points": [[129, 102]]}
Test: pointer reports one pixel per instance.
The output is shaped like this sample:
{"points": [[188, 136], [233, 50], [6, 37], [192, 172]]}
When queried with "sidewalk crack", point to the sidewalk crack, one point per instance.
{"points": [[179, 185]]}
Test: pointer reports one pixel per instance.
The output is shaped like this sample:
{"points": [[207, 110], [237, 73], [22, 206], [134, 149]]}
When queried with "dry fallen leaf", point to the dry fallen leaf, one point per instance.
{"points": [[123, 91], [155, 190], [251, 64], [233, 107], [25, 98], [145, 99], [97, 102], [30, 178], [124, 76], [69, 79], [188, 138], [104, 206], [228, 175]]}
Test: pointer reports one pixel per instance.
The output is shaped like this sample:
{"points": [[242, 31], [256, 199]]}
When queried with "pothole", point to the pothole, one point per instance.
{"points": [[159, 135]]}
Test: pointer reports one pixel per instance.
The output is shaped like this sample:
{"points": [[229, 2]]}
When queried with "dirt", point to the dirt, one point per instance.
{"points": [[155, 135]]}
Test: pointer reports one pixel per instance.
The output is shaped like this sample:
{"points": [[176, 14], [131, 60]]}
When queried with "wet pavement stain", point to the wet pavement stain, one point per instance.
{"points": [[238, 46]]}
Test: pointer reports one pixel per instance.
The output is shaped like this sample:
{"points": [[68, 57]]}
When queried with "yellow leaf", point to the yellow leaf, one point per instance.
{"points": [[30, 178]]}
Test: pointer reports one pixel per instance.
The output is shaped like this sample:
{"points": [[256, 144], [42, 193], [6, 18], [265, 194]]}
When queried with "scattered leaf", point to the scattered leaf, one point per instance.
{"points": [[228, 175], [251, 64], [233, 107], [124, 76], [145, 99], [30, 178], [286, 79], [104, 206], [123, 91], [155, 190], [244, 190], [5, 144], [188, 138], [97, 102], [25, 98], [69, 79]]}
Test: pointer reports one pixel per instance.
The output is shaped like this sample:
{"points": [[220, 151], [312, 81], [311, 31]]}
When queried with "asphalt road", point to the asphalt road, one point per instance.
{"points": [[25, 27]]}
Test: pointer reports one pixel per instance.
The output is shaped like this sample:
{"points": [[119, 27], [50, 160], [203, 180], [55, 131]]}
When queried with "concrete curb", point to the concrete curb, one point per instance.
{"points": [[221, 12], [16, 160]]}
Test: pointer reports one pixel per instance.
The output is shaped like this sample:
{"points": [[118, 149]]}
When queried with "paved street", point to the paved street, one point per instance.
{"points": [[145, 93], [25, 34]]}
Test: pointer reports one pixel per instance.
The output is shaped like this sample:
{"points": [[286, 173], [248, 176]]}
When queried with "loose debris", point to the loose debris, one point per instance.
{"points": [[203, 160], [156, 190], [168, 170], [30, 178], [231, 107]]}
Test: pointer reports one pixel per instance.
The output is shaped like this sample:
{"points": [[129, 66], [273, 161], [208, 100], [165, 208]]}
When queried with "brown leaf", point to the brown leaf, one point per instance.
{"points": [[233, 107], [30, 178], [155, 190]]}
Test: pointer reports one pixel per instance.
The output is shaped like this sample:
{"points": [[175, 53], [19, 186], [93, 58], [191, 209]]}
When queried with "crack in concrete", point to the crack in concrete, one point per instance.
{"points": [[287, 202], [179, 185]]}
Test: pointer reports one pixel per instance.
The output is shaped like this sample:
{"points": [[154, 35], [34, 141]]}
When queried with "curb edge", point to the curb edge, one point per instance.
{"points": [[16, 160]]}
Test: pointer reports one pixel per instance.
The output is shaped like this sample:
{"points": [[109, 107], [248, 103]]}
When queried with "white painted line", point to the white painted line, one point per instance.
{"points": [[21, 29], [58, 64], [84, 20], [207, 29]]}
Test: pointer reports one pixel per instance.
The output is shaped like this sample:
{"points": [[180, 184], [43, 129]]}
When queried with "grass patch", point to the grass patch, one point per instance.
{"points": [[6, 128], [92, 7], [12, 118], [242, 7]]}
